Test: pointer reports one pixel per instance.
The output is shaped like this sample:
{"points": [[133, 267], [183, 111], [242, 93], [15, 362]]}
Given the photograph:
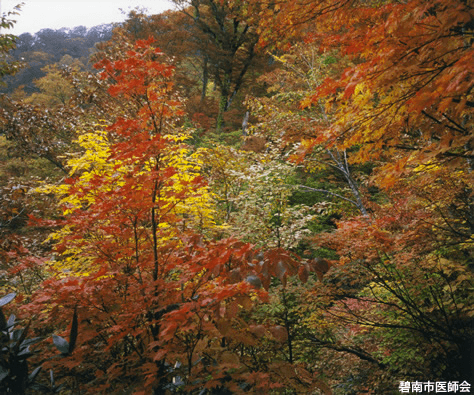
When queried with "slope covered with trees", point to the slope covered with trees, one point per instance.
{"points": [[46, 47], [248, 196]]}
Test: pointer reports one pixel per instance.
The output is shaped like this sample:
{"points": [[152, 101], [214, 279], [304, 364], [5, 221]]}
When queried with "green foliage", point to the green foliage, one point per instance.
{"points": [[255, 192], [46, 47], [7, 43], [22, 168], [15, 375], [54, 88]]}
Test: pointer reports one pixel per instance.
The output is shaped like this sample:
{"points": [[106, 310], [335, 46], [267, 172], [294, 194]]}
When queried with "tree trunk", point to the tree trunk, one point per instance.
{"points": [[205, 77]]}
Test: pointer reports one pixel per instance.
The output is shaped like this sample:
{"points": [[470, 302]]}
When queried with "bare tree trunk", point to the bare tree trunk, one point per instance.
{"points": [[205, 77], [343, 166]]}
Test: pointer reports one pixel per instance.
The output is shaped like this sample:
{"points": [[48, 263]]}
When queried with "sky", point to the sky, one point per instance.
{"points": [[55, 14]]}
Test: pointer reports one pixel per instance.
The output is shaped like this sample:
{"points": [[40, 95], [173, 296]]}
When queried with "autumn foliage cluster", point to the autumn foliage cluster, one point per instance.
{"points": [[250, 196]]}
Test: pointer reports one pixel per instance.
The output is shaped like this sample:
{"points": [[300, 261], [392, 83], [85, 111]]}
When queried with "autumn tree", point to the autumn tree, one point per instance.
{"points": [[227, 42], [161, 300], [398, 275], [42, 124], [178, 39], [38, 132], [290, 130], [211, 46], [253, 197], [21, 248], [402, 102], [417, 76]]}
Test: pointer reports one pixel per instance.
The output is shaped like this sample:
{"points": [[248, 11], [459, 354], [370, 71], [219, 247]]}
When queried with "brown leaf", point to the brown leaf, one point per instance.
{"points": [[280, 269], [303, 273], [279, 333]]}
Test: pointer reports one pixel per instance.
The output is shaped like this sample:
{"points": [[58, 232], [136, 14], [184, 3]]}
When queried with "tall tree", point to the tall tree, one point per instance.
{"points": [[227, 43]]}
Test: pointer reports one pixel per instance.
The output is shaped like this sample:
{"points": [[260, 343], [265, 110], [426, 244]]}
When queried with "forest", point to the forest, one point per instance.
{"points": [[240, 196], [49, 50]]}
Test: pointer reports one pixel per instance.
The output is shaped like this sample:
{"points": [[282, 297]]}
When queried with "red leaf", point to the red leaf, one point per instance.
{"points": [[303, 273]]}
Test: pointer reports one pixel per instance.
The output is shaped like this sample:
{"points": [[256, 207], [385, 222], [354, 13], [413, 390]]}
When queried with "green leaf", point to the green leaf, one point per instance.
{"points": [[61, 344], [33, 374], [11, 321], [7, 299], [16, 334], [3, 374], [24, 354], [31, 341]]}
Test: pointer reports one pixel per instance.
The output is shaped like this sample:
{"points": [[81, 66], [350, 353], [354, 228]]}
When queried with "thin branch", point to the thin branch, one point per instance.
{"points": [[359, 353], [328, 193]]}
